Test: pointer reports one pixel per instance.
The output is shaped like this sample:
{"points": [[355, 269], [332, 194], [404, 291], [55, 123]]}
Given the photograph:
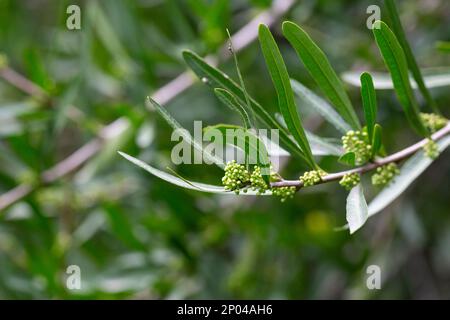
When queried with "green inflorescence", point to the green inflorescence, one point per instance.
{"points": [[350, 180], [357, 142], [284, 192], [385, 174], [310, 178], [431, 149], [433, 121], [257, 182], [236, 177]]}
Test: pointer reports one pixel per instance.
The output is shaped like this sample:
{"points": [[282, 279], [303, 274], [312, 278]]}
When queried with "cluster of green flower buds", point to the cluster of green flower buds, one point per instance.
{"points": [[431, 149], [350, 180], [310, 178], [357, 142], [236, 177], [284, 192], [385, 174], [433, 121], [257, 182]]}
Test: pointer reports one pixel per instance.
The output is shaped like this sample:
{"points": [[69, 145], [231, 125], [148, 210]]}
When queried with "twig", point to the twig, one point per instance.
{"points": [[241, 39], [395, 157]]}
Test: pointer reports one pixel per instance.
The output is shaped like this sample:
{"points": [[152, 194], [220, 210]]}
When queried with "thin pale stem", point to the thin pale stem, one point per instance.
{"points": [[393, 158]]}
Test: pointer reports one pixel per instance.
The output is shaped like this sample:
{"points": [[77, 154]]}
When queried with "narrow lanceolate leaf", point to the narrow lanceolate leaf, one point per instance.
{"points": [[254, 148], [233, 103], [183, 132], [395, 60], [376, 140], [280, 79], [181, 182], [313, 101], [369, 102], [320, 69], [411, 169], [357, 211], [412, 63], [433, 77], [217, 79]]}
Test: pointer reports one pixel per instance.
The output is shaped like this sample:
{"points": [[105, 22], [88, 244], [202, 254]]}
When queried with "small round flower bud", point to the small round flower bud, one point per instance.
{"points": [[350, 180], [257, 182], [431, 149], [236, 177], [357, 142], [311, 178], [433, 121], [385, 174], [284, 192]]}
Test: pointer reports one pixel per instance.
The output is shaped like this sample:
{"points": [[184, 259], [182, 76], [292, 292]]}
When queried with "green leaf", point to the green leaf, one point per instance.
{"points": [[411, 169], [323, 146], [357, 211], [233, 103], [280, 79], [320, 69], [197, 186], [254, 148], [310, 99], [395, 60], [369, 102], [348, 159], [151, 104], [411, 60], [443, 46], [217, 79], [376, 140], [434, 78]]}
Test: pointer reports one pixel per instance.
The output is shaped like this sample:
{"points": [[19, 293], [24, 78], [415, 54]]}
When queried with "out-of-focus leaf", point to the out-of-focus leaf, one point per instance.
{"points": [[281, 81], [409, 172], [412, 63], [320, 146], [357, 211], [320, 69], [310, 99], [217, 79], [443, 46], [395, 60], [198, 186], [433, 77], [369, 102]]}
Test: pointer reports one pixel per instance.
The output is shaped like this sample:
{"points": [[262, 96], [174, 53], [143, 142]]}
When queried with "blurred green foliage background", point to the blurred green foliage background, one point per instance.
{"points": [[135, 236]]}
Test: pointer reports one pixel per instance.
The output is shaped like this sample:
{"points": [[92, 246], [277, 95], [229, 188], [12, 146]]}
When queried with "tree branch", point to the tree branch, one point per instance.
{"points": [[393, 158], [245, 36]]}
